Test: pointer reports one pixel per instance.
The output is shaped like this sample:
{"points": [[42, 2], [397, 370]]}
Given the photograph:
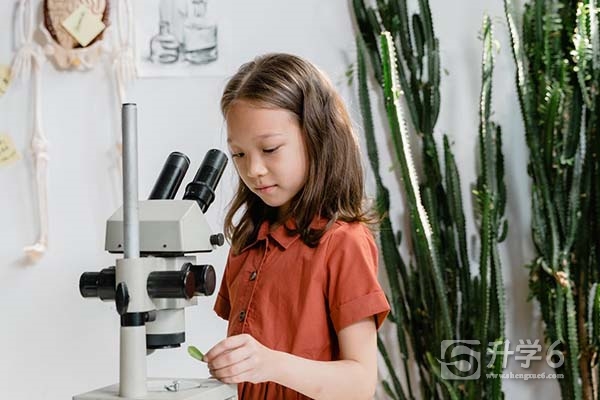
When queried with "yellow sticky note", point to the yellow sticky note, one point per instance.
{"points": [[8, 152], [83, 25], [4, 78]]}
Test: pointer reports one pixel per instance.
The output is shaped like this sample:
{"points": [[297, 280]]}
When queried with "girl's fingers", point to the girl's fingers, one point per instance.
{"points": [[234, 373], [229, 358], [226, 345], [245, 377]]}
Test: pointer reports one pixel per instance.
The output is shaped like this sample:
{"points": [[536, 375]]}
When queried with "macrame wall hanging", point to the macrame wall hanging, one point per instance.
{"points": [[74, 34], [61, 45]]}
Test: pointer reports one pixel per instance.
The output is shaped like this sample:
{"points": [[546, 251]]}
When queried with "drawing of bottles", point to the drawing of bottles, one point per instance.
{"points": [[199, 35], [179, 14], [164, 46]]}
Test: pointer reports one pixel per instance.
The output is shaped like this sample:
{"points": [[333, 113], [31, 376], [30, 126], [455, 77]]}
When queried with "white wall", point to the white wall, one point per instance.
{"points": [[54, 343]]}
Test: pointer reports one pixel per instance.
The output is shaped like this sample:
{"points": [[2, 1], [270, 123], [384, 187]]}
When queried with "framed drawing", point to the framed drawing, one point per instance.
{"points": [[181, 38]]}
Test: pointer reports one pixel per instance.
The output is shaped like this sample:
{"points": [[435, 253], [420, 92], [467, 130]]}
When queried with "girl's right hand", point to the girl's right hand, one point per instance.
{"points": [[241, 358]]}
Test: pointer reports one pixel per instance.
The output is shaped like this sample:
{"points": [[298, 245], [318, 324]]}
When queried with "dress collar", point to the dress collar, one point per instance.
{"points": [[280, 234]]}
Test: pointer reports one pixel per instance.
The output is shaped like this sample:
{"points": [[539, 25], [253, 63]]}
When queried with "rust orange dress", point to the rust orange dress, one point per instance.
{"points": [[294, 298]]}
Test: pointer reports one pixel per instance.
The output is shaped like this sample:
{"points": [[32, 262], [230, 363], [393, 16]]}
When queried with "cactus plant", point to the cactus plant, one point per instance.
{"points": [[557, 58], [434, 297]]}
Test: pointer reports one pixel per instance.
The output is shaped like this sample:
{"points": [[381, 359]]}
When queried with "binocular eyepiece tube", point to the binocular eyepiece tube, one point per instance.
{"points": [[168, 182], [202, 188]]}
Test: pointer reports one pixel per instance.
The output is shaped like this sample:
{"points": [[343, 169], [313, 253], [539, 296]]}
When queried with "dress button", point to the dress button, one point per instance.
{"points": [[253, 275], [242, 316]]}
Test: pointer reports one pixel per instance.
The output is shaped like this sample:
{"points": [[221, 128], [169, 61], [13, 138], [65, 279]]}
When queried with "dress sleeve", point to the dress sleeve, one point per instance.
{"points": [[353, 290], [222, 305]]}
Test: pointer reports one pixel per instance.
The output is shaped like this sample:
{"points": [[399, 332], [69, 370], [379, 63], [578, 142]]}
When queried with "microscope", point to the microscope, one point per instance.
{"points": [[157, 276]]}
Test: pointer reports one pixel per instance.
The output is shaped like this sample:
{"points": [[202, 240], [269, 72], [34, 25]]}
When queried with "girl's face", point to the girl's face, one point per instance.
{"points": [[269, 152]]}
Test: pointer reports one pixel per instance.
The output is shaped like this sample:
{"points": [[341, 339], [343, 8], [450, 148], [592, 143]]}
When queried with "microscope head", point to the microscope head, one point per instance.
{"points": [[167, 228], [166, 278]]}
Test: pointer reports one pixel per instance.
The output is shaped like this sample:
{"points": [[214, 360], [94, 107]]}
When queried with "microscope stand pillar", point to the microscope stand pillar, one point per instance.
{"points": [[132, 371]]}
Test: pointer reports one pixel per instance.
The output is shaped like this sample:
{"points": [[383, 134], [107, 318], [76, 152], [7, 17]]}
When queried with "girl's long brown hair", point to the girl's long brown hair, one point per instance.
{"points": [[334, 188]]}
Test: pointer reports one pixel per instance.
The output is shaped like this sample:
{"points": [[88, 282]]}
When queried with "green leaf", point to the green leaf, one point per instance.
{"points": [[195, 353]]}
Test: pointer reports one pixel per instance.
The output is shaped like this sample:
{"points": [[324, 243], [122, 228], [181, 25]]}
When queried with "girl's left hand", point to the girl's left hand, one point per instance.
{"points": [[240, 358]]}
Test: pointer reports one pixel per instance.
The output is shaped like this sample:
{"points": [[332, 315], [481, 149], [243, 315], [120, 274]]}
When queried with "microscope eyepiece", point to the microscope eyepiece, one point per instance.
{"points": [[168, 182], [202, 188]]}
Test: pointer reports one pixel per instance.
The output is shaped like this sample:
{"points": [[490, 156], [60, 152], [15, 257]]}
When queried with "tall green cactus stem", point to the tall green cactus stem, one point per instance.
{"points": [[392, 260], [491, 196], [419, 218], [557, 58], [434, 297]]}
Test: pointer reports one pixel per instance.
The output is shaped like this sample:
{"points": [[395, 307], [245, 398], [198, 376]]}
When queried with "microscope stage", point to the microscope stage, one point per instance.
{"points": [[164, 389]]}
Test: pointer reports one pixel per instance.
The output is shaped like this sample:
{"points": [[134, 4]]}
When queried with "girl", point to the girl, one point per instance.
{"points": [[300, 287]]}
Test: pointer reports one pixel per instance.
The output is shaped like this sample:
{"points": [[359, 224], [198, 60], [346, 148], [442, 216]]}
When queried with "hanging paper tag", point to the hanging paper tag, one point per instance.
{"points": [[4, 78], [83, 25], [8, 152]]}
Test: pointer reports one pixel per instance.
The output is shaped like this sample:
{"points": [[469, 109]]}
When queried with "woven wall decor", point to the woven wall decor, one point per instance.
{"points": [[60, 45]]}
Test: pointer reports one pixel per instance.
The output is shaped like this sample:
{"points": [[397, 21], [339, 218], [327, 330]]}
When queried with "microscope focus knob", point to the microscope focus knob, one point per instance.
{"points": [[217, 239], [98, 284], [171, 284], [206, 279], [122, 298]]}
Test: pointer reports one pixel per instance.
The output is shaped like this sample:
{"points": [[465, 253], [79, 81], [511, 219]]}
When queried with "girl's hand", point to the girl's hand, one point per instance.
{"points": [[240, 358]]}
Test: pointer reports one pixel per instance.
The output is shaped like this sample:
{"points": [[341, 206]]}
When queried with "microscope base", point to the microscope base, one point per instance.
{"points": [[189, 389]]}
